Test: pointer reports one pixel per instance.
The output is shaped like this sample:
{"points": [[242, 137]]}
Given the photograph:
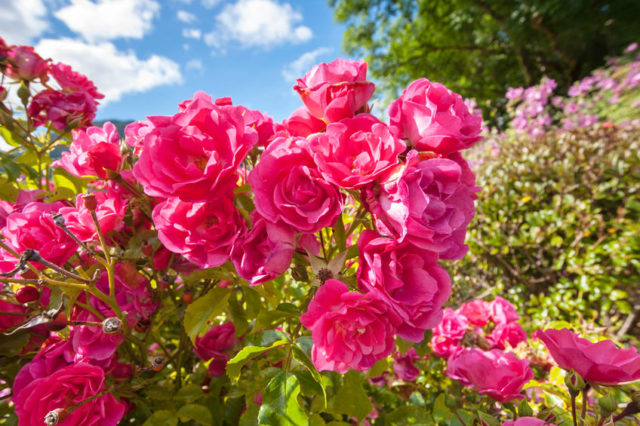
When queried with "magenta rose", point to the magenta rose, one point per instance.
{"points": [[600, 362], [502, 311], [34, 228], [25, 64], [110, 210], [477, 312], [253, 119], [93, 152], [72, 81], [355, 151], [63, 110], [302, 123], [527, 421], [258, 256], [8, 322], [349, 329], [433, 118], [216, 342], [195, 154], [289, 189], [54, 354], [64, 389], [406, 277], [134, 134], [429, 203], [335, 90], [510, 333], [403, 365], [498, 374], [448, 335], [203, 232]]}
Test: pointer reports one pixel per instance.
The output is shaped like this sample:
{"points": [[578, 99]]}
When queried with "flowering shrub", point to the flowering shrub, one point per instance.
{"points": [[215, 267]]}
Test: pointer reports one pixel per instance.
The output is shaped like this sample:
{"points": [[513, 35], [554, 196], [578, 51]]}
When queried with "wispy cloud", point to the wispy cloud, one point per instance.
{"points": [[186, 17], [300, 66], [22, 21], [194, 65], [193, 33]]}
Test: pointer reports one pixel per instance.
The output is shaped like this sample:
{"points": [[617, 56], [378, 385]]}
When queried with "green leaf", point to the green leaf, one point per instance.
{"points": [[339, 234], [488, 419], [247, 353], [351, 399], [198, 413], [162, 418], [441, 412], [280, 402], [200, 314], [301, 356]]}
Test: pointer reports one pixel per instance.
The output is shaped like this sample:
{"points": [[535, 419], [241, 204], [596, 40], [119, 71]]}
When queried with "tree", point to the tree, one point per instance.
{"points": [[479, 47]]}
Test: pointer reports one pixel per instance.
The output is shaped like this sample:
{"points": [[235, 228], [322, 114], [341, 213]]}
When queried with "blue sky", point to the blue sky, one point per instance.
{"points": [[147, 56]]}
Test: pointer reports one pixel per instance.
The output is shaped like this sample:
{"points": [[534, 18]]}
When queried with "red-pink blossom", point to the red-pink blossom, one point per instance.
{"points": [[448, 335], [349, 329], [302, 123], [54, 354], [500, 375], [63, 110], [203, 232], [25, 64], [73, 81], [289, 189], [134, 134], [403, 365], [110, 211], [406, 277], [433, 118], [336, 90], [600, 362], [355, 151], [502, 311], [477, 312], [509, 333]]}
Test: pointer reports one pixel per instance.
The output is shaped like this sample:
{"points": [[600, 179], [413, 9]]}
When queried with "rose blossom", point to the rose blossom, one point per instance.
{"points": [[64, 389], [428, 203], [408, 278], [500, 375], [72, 81], [355, 151], [403, 365], [511, 333], [214, 346], [25, 64], [9, 321], [195, 154], [54, 354], [134, 134], [302, 123], [349, 329], [290, 190], [258, 256], [335, 90], [110, 211], [433, 118], [600, 362], [502, 311], [448, 334], [477, 312], [253, 119], [93, 152], [63, 110], [202, 232]]}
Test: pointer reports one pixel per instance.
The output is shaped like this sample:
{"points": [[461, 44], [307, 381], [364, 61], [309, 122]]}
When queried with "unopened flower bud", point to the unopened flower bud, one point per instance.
{"points": [[54, 417], [27, 294], [90, 202], [111, 325], [157, 363], [608, 405], [574, 382]]}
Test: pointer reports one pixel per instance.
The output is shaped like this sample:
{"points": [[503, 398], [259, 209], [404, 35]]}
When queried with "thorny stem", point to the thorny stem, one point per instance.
{"points": [[573, 409], [585, 402]]}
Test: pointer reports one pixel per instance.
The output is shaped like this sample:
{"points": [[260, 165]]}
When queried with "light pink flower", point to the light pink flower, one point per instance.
{"points": [[502, 311], [203, 232], [289, 189], [600, 362], [349, 329], [406, 277], [433, 118], [497, 374], [134, 134], [110, 211], [448, 334], [355, 151], [335, 90]]}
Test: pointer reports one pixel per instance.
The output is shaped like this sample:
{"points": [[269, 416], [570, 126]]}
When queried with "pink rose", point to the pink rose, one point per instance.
{"points": [[33, 228], [527, 421], [406, 277], [349, 329], [497, 374], [428, 203], [600, 362], [54, 354], [8, 322], [134, 134], [72, 81], [260, 257], [110, 211], [502, 311], [93, 152], [253, 119], [195, 154], [477, 312], [433, 118], [216, 342], [63, 110], [335, 90], [290, 190], [202, 232], [403, 365], [355, 151], [449, 333], [25, 64], [511, 333], [302, 123], [64, 389]]}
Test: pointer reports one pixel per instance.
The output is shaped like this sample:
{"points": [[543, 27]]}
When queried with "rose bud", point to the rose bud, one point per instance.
{"points": [[90, 202], [27, 294], [146, 248]]}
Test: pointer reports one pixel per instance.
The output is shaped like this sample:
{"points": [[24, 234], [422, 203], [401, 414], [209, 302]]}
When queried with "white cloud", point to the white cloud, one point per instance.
{"points": [[192, 33], [114, 72], [300, 66], [109, 19], [210, 4], [194, 65], [22, 21], [186, 17], [258, 23]]}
